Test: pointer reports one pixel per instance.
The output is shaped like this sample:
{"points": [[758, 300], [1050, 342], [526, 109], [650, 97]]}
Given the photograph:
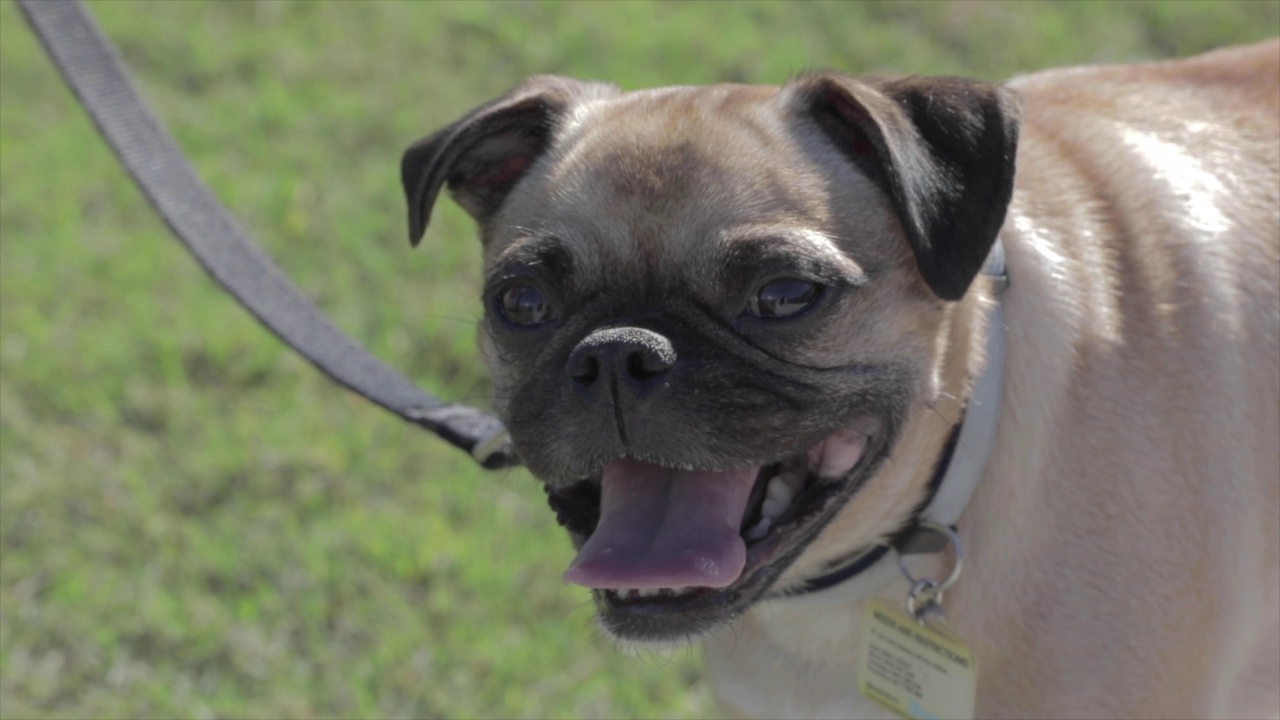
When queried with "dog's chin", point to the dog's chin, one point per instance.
{"points": [[638, 609]]}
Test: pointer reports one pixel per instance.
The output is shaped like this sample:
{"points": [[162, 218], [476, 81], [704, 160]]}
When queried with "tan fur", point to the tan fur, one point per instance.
{"points": [[1102, 579]]}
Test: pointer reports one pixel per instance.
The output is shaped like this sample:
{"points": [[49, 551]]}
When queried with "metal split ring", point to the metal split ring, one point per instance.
{"points": [[954, 539]]}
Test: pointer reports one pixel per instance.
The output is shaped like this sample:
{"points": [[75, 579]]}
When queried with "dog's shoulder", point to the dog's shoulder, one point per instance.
{"points": [[1249, 75], [1174, 158]]}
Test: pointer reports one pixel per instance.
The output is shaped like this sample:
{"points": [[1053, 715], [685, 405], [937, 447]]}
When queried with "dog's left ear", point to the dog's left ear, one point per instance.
{"points": [[944, 150]]}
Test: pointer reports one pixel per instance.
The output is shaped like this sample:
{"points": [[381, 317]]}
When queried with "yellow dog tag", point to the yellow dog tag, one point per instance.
{"points": [[918, 670]]}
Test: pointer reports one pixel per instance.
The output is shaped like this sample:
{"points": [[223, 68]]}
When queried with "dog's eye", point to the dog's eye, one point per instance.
{"points": [[524, 305], [781, 298]]}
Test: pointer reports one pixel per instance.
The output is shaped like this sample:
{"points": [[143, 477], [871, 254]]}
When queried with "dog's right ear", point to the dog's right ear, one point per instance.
{"points": [[483, 155]]}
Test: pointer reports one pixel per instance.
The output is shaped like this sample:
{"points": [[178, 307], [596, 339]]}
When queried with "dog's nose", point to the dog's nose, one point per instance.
{"points": [[634, 356]]}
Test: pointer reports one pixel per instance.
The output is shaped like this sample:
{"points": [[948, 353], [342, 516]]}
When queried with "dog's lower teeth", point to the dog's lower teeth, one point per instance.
{"points": [[760, 529], [638, 593], [777, 499], [779, 493]]}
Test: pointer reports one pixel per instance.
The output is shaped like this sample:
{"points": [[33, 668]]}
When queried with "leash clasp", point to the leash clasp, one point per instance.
{"points": [[484, 450]]}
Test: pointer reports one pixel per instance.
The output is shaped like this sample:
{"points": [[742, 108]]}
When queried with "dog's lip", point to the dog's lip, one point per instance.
{"points": [[662, 618], [767, 557], [760, 553]]}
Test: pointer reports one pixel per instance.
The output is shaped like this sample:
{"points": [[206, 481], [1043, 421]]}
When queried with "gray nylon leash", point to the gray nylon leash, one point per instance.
{"points": [[91, 67]]}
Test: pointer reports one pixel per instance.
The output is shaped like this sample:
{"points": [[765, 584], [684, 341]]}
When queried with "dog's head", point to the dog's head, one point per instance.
{"points": [[709, 311]]}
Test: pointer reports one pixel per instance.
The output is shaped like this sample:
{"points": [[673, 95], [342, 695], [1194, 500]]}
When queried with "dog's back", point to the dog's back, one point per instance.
{"points": [[1145, 236]]}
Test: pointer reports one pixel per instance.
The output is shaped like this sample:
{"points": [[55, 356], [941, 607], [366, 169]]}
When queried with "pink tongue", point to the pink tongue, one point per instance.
{"points": [[665, 528]]}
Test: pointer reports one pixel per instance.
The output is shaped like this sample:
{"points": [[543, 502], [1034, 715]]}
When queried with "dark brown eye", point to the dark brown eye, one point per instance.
{"points": [[524, 305], [781, 298]]}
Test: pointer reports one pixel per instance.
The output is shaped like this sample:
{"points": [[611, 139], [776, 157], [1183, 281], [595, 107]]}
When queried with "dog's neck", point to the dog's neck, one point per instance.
{"points": [[960, 466]]}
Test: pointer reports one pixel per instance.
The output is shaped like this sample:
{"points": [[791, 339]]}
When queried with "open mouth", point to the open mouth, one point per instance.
{"points": [[674, 552]]}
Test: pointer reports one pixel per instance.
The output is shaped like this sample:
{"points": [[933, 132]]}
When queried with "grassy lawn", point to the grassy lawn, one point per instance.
{"points": [[193, 522]]}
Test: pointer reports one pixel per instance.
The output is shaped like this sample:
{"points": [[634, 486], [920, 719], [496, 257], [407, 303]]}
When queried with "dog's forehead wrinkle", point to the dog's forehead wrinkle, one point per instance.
{"points": [[796, 243], [672, 132]]}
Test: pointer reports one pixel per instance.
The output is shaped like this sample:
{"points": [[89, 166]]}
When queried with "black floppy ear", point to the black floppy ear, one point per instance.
{"points": [[944, 150], [483, 155]]}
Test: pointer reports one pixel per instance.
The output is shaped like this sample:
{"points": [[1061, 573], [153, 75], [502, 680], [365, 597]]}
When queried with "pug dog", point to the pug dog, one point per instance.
{"points": [[736, 330]]}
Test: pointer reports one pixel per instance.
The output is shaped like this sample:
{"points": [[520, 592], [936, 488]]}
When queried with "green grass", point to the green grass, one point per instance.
{"points": [[193, 522]]}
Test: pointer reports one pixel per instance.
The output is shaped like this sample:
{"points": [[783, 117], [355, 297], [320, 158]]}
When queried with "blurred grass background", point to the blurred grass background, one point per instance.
{"points": [[193, 522]]}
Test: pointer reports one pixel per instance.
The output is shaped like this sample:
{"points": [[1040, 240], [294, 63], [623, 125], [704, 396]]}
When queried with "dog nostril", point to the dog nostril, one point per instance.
{"points": [[587, 370], [642, 365]]}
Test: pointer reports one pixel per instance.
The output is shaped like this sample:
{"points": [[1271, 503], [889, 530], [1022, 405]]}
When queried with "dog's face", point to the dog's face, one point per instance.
{"points": [[709, 311]]}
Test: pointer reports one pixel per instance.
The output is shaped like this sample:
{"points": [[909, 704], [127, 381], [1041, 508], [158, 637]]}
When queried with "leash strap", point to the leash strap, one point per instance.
{"points": [[90, 66]]}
